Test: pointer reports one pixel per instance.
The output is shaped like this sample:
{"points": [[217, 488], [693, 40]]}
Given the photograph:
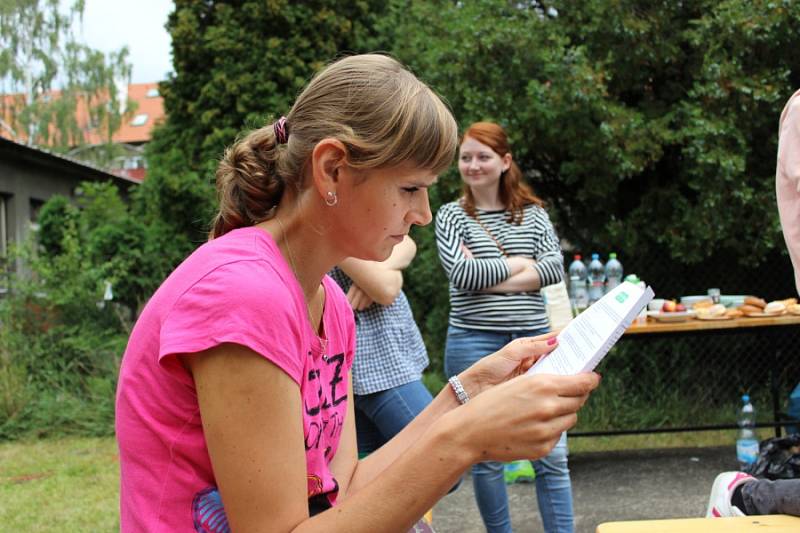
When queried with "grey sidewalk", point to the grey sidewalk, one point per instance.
{"points": [[608, 486]]}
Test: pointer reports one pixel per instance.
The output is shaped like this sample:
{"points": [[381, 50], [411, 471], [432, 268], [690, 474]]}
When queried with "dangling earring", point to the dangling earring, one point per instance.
{"points": [[331, 199]]}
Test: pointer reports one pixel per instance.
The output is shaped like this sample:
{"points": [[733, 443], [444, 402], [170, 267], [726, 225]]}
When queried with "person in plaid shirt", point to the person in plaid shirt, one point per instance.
{"points": [[390, 355]]}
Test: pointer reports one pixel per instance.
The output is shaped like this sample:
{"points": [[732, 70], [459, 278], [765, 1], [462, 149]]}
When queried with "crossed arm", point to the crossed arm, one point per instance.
{"points": [[375, 282], [522, 276], [525, 274]]}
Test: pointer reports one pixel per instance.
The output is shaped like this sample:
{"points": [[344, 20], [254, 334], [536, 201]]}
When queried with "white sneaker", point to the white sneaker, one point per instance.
{"points": [[719, 504]]}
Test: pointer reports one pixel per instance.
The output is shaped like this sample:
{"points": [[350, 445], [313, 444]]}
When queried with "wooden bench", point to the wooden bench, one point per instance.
{"points": [[765, 524]]}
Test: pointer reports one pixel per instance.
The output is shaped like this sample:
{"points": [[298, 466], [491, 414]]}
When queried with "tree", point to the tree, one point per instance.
{"points": [[648, 127], [711, 79], [236, 65], [625, 112], [277, 45], [56, 90]]}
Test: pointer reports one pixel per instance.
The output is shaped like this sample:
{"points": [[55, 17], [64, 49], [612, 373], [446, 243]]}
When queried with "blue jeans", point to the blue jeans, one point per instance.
{"points": [[382, 415], [794, 410], [553, 486]]}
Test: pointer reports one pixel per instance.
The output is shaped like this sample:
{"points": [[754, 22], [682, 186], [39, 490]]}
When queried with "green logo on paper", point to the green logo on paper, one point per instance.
{"points": [[621, 297]]}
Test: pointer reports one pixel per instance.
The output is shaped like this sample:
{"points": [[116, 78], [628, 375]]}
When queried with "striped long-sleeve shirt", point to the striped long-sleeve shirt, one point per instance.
{"points": [[534, 237]]}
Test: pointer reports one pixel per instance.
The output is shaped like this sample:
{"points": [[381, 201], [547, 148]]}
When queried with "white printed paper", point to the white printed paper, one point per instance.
{"points": [[590, 335]]}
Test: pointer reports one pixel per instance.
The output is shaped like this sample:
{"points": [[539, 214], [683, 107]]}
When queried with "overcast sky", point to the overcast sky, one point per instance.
{"points": [[108, 25]]}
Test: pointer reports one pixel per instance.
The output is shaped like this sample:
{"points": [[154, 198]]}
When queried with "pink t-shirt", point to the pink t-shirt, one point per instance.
{"points": [[233, 289]]}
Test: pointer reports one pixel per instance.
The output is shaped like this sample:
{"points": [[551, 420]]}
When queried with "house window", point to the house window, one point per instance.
{"points": [[3, 224], [35, 207], [132, 163], [152, 93], [4, 208], [139, 120]]}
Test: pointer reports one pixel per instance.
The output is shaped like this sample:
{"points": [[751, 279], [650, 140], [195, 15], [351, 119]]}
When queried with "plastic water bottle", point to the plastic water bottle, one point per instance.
{"points": [[613, 272], [578, 295], [597, 277], [747, 442], [633, 278]]}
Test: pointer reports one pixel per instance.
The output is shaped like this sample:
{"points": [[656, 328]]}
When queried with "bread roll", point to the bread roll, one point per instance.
{"points": [[775, 308], [733, 313], [750, 309], [713, 311], [793, 308], [789, 301], [754, 301], [702, 304]]}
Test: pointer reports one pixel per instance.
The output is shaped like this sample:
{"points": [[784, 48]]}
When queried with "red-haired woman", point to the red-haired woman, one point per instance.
{"points": [[498, 248]]}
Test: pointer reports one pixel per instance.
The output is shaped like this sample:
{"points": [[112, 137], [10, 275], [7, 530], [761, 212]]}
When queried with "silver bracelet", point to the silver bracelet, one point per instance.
{"points": [[458, 388]]}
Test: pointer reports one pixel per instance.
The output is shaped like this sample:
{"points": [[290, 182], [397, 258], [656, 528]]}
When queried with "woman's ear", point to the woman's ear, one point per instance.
{"points": [[328, 159], [507, 159]]}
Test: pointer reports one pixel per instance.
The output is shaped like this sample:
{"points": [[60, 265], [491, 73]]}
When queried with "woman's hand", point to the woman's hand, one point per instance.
{"points": [[358, 299], [513, 359], [522, 418], [518, 263]]}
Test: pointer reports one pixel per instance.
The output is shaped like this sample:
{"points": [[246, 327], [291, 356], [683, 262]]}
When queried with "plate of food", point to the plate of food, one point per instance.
{"points": [[755, 307], [709, 317], [712, 312], [671, 316]]}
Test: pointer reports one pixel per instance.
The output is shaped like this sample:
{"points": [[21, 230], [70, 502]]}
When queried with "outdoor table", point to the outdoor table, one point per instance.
{"points": [[697, 325], [775, 523], [693, 326]]}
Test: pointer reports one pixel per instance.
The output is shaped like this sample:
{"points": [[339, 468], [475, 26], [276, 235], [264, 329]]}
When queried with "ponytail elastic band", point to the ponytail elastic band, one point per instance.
{"points": [[281, 131]]}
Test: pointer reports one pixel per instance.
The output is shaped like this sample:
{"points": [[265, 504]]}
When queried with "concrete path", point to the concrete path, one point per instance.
{"points": [[609, 486]]}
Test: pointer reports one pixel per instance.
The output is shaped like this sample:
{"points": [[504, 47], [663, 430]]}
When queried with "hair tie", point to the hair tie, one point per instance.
{"points": [[281, 131]]}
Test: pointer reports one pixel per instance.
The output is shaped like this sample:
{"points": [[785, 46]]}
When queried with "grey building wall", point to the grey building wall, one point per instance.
{"points": [[29, 177]]}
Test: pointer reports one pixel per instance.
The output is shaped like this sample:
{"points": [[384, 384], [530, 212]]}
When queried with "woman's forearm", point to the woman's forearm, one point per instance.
{"points": [[402, 254], [382, 282], [525, 281], [376, 462], [550, 267], [410, 485]]}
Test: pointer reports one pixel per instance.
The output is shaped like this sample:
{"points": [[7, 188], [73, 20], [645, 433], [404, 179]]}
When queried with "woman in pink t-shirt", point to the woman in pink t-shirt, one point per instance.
{"points": [[234, 404]]}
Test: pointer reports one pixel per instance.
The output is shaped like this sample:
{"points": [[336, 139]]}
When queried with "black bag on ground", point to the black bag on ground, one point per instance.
{"points": [[778, 458]]}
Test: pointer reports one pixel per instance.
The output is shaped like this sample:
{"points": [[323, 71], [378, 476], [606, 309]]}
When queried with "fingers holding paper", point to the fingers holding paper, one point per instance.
{"points": [[514, 359], [525, 416]]}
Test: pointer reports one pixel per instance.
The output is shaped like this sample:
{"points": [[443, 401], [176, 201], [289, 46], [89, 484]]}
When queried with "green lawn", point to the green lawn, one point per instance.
{"points": [[59, 485], [71, 484], [700, 439]]}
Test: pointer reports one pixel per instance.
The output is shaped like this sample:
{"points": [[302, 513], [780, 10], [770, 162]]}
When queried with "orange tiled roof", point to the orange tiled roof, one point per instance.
{"points": [[151, 106]]}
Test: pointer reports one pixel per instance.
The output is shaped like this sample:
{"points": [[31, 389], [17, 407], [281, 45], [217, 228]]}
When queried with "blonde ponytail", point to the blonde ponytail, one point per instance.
{"points": [[248, 188]]}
